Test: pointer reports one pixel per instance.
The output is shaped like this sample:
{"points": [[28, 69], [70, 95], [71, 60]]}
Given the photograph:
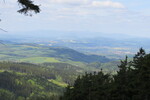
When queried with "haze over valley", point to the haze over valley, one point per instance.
{"points": [[109, 45], [74, 50]]}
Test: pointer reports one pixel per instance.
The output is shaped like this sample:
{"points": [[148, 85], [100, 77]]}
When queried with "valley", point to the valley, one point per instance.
{"points": [[39, 72], [45, 67]]}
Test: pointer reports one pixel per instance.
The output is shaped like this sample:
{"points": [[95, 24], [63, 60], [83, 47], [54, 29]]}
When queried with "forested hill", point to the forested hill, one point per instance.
{"points": [[46, 81], [35, 53], [37, 72], [25, 81], [66, 53]]}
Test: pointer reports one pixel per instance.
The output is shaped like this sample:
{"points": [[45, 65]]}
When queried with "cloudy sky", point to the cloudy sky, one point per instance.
{"points": [[107, 16]]}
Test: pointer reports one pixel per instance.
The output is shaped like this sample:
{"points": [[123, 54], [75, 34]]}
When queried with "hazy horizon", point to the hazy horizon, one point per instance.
{"points": [[110, 17]]}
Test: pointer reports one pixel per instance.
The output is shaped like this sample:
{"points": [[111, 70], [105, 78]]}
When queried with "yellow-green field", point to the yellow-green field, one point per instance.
{"points": [[62, 84], [39, 59]]}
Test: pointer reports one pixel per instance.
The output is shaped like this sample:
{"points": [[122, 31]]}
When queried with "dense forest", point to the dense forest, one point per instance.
{"points": [[132, 82], [25, 81], [62, 81]]}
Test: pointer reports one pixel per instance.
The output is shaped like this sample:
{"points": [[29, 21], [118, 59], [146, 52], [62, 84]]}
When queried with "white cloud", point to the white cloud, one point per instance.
{"points": [[82, 7], [107, 4], [94, 15], [72, 2]]}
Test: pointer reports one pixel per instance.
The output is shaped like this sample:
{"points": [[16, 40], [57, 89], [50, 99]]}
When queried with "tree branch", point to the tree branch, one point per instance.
{"points": [[3, 30], [28, 6]]}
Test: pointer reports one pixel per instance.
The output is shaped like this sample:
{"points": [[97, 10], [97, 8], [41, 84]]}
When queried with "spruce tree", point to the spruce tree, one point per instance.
{"points": [[132, 82], [121, 81], [141, 63]]}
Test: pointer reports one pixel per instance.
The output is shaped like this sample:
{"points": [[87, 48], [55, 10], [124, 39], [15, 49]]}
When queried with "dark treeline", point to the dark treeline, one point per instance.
{"points": [[132, 82]]}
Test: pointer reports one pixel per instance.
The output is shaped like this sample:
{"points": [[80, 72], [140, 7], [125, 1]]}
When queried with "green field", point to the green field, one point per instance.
{"points": [[39, 60]]}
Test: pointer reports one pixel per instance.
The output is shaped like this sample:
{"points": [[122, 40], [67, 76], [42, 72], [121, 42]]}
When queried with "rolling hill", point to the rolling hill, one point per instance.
{"points": [[37, 72], [35, 53]]}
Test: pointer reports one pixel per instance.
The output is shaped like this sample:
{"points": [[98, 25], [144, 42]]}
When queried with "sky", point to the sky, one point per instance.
{"points": [[131, 17]]}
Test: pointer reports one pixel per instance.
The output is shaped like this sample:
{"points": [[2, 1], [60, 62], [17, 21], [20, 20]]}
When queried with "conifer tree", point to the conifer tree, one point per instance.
{"points": [[121, 81], [141, 63], [132, 82], [28, 6]]}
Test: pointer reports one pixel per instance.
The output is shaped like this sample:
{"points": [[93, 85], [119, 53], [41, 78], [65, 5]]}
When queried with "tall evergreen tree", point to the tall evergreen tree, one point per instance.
{"points": [[132, 82], [121, 81], [141, 63]]}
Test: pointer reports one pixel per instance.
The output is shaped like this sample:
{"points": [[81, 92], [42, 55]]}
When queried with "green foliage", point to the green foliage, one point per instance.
{"points": [[39, 59], [61, 72], [62, 84], [31, 82], [25, 86], [132, 82], [38, 54], [41, 54], [6, 95], [88, 87]]}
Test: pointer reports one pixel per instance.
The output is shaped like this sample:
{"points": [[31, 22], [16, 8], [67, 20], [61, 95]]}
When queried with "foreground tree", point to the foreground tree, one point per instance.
{"points": [[28, 6], [89, 87], [132, 82], [141, 63]]}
